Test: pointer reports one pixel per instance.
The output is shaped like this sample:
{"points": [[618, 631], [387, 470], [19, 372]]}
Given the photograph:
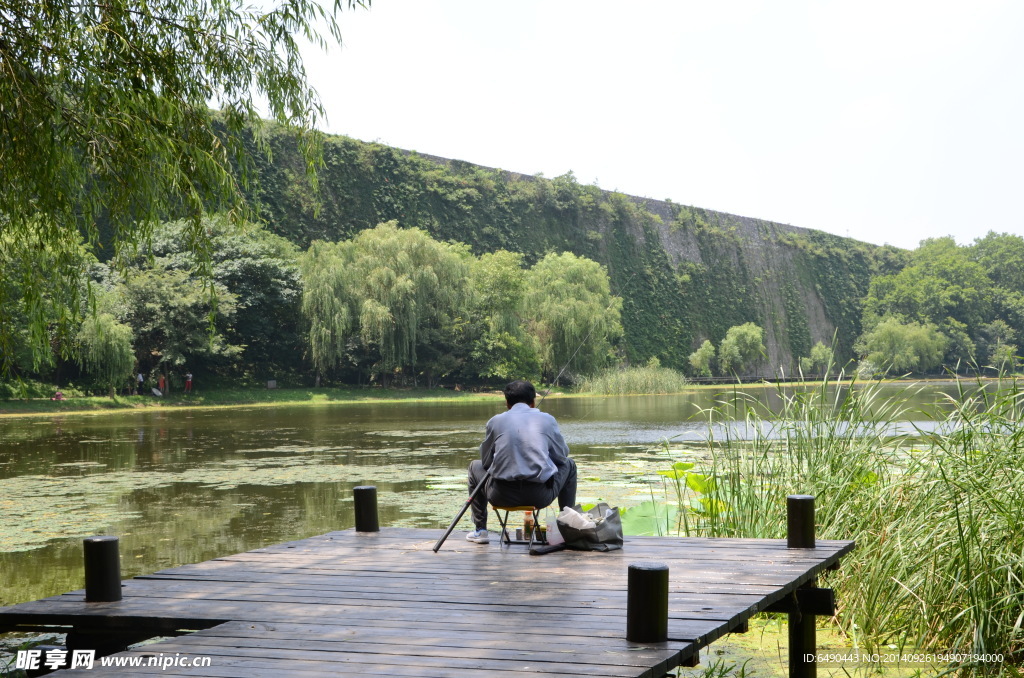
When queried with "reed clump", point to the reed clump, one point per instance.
{"points": [[650, 379], [938, 514]]}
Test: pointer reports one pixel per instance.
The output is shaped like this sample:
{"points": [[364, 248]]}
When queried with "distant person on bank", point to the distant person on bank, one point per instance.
{"points": [[527, 458]]}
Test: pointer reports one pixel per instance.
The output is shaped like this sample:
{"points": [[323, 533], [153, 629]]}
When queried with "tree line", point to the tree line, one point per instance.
{"points": [[395, 306], [957, 308], [390, 306]]}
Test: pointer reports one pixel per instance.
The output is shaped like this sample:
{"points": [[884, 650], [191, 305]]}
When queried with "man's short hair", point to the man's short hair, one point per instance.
{"points": [[520, 391]]}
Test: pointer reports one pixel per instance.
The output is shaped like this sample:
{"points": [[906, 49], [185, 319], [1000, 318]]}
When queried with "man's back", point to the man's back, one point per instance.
{"points": [[522, 444]]}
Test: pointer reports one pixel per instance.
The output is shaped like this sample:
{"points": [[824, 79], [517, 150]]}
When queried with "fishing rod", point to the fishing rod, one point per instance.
{"points": [[487, 473]]}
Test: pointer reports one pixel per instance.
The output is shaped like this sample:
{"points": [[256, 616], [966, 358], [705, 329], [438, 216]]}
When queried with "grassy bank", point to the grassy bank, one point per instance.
{"points": [[228, 397], [938, 516]]}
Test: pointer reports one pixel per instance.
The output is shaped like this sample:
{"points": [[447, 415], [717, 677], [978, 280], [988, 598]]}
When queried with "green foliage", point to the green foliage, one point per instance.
{"points": [[820, 361], [1000, 255], [572, 315], [323, 305], [996, 347], [33, 390], [501, 347], [694, 509], [169, 312], [719, 292], [106, 114], [395, 301], [839, 271], [504, 356], [742, 347], [799, 332], [396, 290], [499, 284], [105, 349], [701, 359], [670, 303], [936, 516], [261, 270], [941, 286], [900, 347], [633, 380], [41, 293]]}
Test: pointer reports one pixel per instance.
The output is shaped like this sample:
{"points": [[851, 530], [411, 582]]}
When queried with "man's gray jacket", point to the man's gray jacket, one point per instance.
{"points": [[523, 443]]}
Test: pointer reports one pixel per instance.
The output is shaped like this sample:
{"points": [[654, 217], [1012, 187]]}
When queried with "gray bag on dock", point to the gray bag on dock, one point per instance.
{"points": [[604, 535]]}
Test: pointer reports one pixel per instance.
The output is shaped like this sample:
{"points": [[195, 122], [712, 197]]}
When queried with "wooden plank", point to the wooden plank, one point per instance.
{"points": [[412, 534], [509, 648], [574, 611], [612, 625], [497, 594], [344, 582], [702, 551], [434, 634], [767, 573]]}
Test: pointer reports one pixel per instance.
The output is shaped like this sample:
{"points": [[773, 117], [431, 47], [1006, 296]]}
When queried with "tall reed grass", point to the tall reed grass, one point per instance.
{"points": [[938, 515], [633, 381]]}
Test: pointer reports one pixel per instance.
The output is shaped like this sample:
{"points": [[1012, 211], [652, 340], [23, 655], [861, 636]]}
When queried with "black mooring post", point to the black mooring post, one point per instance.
{"points": [[800, 521], [102, 570], [365, 498], [647, 603], [802, 639]]}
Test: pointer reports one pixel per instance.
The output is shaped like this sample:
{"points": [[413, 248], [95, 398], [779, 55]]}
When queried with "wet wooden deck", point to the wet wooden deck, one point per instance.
{"points": [[375, 604]]}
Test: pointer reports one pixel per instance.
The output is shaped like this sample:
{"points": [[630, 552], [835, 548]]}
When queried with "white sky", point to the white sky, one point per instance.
{"points": [[886, 121]]}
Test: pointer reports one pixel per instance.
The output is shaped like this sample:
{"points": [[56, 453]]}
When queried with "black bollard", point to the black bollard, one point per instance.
{"points": [[800, 521], [802, 637], [102, 570], [365, 498], [647, 603]]}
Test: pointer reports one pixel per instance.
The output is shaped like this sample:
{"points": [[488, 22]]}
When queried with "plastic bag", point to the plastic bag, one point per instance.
{"points": [[599, 529], [551, 522]]}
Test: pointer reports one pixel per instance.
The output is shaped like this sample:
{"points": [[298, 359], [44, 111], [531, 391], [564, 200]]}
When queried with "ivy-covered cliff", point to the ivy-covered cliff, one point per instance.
{"points": [[686, 274]]}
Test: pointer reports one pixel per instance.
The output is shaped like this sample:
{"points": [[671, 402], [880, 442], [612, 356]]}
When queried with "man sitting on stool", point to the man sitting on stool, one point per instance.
{"points": [[527, 458]]}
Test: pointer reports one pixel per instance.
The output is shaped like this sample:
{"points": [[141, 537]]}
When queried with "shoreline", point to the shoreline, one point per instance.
{"points": [[233, 398]]}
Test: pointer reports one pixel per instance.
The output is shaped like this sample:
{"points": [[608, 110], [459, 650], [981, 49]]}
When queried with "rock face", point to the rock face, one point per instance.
{"points": [[685, 274], [761, 252]]}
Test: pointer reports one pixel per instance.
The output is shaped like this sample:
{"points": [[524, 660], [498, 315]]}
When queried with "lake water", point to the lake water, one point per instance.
{"points": [[189, 485]]}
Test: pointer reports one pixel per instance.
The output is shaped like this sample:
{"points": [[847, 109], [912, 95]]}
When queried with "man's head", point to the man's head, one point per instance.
{"points": [[520, 391]]}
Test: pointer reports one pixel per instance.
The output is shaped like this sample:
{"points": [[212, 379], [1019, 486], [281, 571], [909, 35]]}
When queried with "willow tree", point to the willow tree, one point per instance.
{"points": [[325, 305], [105, 115], [395, 289], [573, 316], [896, 346], [30, 268], [105, 350]]}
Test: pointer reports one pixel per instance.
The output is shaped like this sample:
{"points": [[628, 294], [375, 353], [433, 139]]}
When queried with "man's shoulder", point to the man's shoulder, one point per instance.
{"points": [[543, 416]]}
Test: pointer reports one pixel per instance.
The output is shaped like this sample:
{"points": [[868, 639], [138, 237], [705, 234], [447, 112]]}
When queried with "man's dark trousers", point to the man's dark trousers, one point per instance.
{"points": [[561, 486]]}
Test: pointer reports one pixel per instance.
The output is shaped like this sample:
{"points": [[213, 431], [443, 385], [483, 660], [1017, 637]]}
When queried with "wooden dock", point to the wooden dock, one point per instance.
{"points": [[384, 604]]}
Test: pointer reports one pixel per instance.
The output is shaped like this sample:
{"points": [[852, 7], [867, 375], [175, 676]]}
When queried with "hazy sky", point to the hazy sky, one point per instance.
{"points": [[887, 121]]}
